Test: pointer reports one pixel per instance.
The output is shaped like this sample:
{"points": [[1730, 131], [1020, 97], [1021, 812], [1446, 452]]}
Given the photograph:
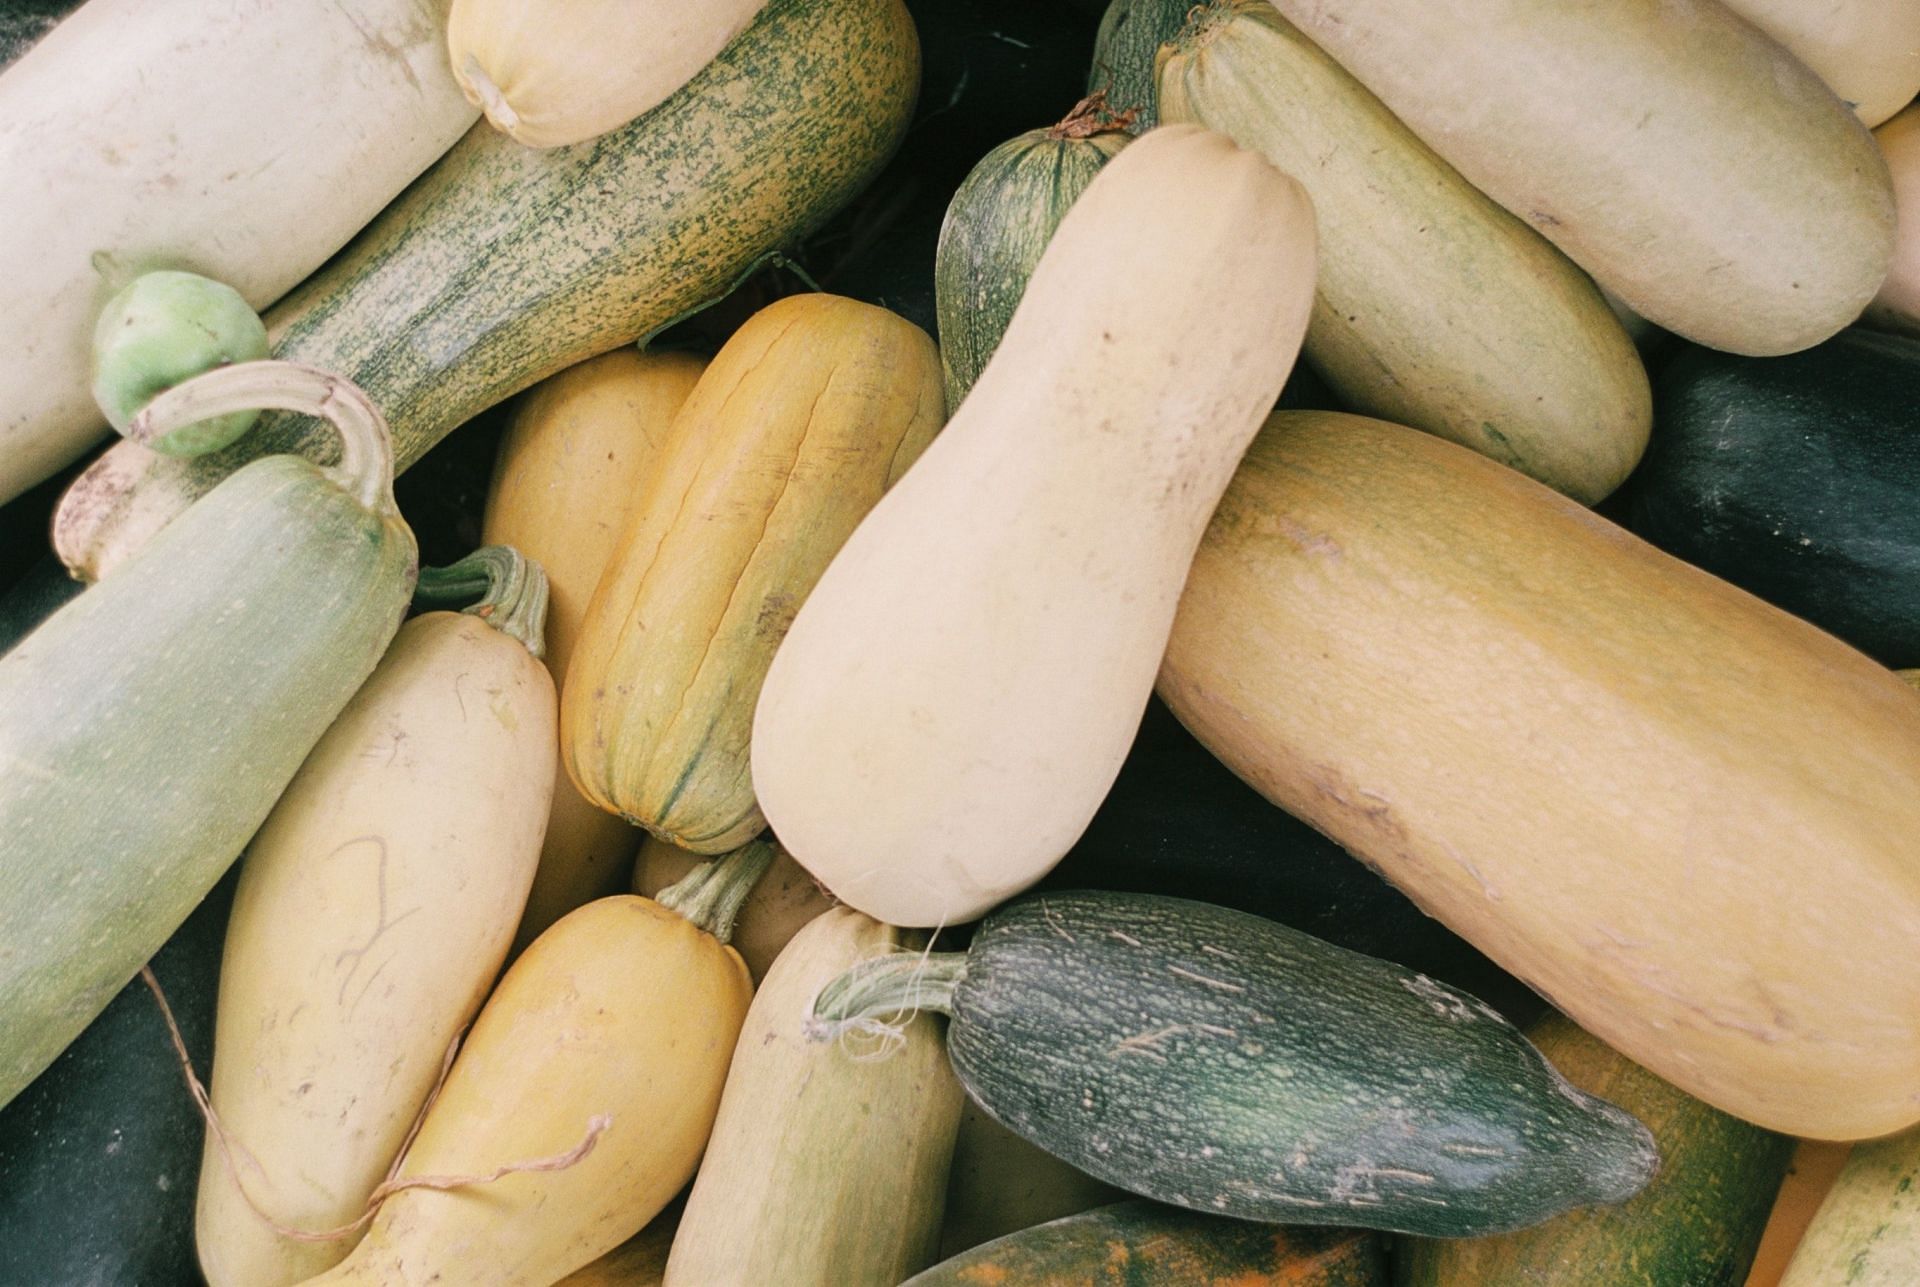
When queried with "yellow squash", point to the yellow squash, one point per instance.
{"points": [[807, 415], [1684, 816], [782, 902], [564, 486]]}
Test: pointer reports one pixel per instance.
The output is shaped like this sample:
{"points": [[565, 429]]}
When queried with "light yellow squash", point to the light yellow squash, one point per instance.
{"points": [[1682, 815], [956, 696], [564, 486], [782, 902], [1897, 306], [1867, 51], [1810, 1177]]}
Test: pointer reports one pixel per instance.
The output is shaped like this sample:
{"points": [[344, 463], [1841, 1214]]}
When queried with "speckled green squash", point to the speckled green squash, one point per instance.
{"points": [[1143, 1242], [1867, 1231], [1699, 1222], [1131, 33], [504, 264]]}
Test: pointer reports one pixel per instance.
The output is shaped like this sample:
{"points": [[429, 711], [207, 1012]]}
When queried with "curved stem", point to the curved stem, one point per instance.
{"points": [[903, 982], [496, 583], [710, 895], [366, 445], [492, 102]]}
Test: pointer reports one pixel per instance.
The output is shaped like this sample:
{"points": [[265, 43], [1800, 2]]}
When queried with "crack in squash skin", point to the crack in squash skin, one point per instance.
{"points": [[504, 264], [1212, 1060], [1136, 1242]]}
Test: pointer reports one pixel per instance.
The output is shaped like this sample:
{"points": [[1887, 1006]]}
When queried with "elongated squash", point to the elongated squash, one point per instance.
{"points": [[1867, 51], [1000, 1184], [621, 1019], [960, 689], [564, 485], [1602, 767], [262, 137], [1867, 1231], [822, 1169], [1897, 306], [1688, 162], [374, 911], [148, 726], [1698, 1222], [1430, 298], [806, 416], [551, 74], [1816, 1165], [1131, 33], [503, 265], [780, 905]]}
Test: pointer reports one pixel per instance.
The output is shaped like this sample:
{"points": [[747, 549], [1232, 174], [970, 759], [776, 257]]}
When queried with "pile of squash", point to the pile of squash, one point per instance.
{"points": [[1343, 723]]}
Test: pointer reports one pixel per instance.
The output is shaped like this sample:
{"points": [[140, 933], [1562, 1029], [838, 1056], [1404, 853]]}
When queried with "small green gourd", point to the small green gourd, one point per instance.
{"points": [[164, 327]]}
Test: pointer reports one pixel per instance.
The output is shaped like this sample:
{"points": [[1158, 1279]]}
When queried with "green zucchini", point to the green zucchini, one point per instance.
{"points": [[1217, 1061], [149, 725], [999, 221], [1867, 1231], [1700, 1220], [1130, 36], [504, 264], [1144, 1242]]}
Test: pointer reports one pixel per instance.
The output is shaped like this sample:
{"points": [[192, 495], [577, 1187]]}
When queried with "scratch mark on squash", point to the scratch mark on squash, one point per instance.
{"points": [[1207, 980]]}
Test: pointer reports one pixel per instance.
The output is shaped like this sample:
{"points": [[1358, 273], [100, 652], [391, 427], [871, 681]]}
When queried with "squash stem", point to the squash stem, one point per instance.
{"points": [[711, 894], [903, 983], [365, 469], [496, 583]]}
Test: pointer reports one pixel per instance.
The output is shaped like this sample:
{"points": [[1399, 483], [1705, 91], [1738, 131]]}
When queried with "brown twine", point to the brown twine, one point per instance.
{"points": [[392, 1184]]}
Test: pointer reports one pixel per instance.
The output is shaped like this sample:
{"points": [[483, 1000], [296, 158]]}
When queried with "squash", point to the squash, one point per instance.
{"points": [[262, 138], [1688, 162], [805, 417], [960, 688], [1224, 1063], [1867, 1231], [1815, 1166], [564, 484], [1131, 33], [1142, 1242], [822, 1169], [25, 22], [1868, 51], [555, 74], [1000, 1184], [640, 1261], [33, 598], [1603, 768], [997, 225], [1797, 478], [1430, 297], [150, 723], [780, 905], [1897, 306], [614, 1027], [99, 1154], [374, 912], [504, 265], [164, 327], [1698, 1222]]}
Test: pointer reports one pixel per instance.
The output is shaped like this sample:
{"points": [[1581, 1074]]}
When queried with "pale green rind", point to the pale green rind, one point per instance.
{"points": [[164, 327], [1131, 33], [1867, 1231], [147, 728]]}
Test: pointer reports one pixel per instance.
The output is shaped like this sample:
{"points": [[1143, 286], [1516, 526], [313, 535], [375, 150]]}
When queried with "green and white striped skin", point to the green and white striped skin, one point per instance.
{"points": [[147, 727], [1131, 33], [1867, 1232], [504, 264]]}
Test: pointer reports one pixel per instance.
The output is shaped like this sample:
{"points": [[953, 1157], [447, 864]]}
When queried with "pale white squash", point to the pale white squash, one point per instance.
{"points": [[1868, 51]]}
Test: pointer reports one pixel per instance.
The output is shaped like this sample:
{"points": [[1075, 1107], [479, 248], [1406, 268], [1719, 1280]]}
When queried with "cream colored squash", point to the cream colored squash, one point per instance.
{"points": [[1897, 306], [1867, 1230], [1868, 51]]}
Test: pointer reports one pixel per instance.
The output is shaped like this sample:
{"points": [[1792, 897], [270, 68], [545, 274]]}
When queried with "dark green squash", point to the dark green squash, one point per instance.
{"points": [[1130, 36], [1217, 1061], [1797, 478]]}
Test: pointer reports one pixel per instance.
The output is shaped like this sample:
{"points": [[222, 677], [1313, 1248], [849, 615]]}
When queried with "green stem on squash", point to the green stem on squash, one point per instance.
{"points": [[711, 894], [888, 985], [496, 583]]}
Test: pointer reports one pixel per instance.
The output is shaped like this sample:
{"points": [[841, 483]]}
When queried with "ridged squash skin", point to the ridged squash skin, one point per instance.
{"points": [[264, 135], [1602, 767], [564, 484], [504, 264], [961, 687], [1685, 160], [998, 223], [1867, 1231], [149, 725], [1867, 51], [1897, 306], [374, 911], [1131, 33], [805, 417], [622, 1009], [822, 1169], [1144, 1242], [1430, 297], [780, 904], [549, 75], [1698, 1222]]}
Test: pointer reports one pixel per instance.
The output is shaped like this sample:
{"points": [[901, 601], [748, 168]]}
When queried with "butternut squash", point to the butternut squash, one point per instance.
{"points": [[1867, 51], [1603, 767], [958, 692], [780, 905]]}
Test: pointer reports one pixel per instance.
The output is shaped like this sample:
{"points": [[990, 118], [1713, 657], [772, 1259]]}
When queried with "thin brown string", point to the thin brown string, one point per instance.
{"points": [[596, 1127]]}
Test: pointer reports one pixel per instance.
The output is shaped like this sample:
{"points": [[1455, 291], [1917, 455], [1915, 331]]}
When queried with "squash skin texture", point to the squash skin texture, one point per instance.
{"points": [[958, 692], [1897, 306], [1689, 163], [804, 418], [1602, 767], [1867, 51], [1131, 33], [503, 265], [150, 724], [1867, 1231]]}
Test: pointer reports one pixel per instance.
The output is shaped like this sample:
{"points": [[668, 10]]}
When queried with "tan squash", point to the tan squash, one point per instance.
{"points": [[781, 904], [804, 418], [1867, 51], [1816, 1165], [1604, 768], [564, 486], [1897, 306], [957, 695]]}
